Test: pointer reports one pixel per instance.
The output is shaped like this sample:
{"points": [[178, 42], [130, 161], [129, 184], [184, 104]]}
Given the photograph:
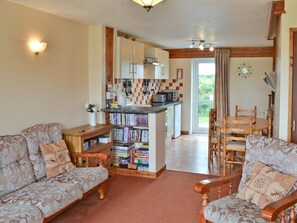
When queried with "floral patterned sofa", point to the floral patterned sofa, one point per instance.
{"points": [[26, 195]]}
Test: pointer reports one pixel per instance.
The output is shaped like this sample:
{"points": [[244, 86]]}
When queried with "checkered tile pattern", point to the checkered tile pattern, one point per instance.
{"points": [[139, 97]]}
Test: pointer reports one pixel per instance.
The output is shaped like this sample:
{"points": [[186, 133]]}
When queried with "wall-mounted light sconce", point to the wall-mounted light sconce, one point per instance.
{"points": [[201, 44], [37, 46]]}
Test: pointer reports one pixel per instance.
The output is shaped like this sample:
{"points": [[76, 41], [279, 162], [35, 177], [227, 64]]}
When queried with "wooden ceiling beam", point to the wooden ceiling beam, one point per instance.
{"points": [[279, 7], [235, 52]]}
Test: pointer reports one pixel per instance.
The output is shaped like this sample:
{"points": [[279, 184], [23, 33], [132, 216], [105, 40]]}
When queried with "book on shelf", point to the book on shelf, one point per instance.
{"points": [[104, 139], [86, 145], [142, 167], [129, 119]]}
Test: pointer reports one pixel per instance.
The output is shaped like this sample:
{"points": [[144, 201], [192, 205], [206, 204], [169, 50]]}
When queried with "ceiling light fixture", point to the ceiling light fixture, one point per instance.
{"points": [[148, 4], [201, 44]]}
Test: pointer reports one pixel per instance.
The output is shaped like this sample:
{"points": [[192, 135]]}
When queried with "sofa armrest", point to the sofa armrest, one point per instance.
{"points": [[102, 157], [205, 185], [272, 210]]}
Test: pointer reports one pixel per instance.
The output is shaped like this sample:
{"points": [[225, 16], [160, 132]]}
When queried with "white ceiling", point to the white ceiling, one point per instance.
{"points": [[226, 23]]}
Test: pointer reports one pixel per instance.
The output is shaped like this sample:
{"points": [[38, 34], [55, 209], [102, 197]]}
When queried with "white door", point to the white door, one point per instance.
{"points": [[203, 70]]}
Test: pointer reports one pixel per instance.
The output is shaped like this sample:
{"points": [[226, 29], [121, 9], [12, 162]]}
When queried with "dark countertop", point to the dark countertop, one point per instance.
{"points": [[166, 104], [135, 109]]}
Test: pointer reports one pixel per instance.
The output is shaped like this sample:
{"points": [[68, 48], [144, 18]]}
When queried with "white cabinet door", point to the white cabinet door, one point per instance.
{"points": [[138, 59], [163, 58], [130, 58], [125, 58]]}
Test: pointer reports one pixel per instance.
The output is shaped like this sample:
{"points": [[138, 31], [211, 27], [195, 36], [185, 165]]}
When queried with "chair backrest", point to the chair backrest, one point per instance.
{"points": [[276, 153], [212, 120], [236, 129], [246, 112]]}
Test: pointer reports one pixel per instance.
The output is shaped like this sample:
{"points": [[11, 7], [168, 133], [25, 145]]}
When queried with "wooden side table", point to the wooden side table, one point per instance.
{"points": [[90, 139]]}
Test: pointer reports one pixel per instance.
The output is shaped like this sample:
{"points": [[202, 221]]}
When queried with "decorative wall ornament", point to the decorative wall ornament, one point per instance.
{"points": [[245, 70]]}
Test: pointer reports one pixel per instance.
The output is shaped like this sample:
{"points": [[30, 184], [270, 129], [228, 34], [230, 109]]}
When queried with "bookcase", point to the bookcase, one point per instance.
{"points": [[141, 136], [91, 139]]}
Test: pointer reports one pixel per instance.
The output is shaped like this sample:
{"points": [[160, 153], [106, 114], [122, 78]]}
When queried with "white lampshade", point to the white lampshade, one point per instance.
{"points": [[148, 4], [37, 47], [201, 46]]}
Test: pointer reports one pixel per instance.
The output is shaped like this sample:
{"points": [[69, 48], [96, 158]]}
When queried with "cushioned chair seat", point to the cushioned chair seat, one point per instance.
{"points": [[86, 178], [19, 214], [48, 197], [230, 209]]}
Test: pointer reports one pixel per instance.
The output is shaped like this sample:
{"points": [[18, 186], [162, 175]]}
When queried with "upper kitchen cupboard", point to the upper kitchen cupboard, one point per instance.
{"points": [[159, 67], [130, 57]]}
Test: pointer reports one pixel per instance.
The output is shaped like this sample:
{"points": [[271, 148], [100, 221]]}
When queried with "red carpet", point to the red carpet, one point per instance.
{"points": [[169, 198]]}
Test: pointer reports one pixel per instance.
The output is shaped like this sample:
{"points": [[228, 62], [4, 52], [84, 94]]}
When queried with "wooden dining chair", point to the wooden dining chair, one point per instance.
{"points": [[213, 150], [246, 112], [234, 140]]}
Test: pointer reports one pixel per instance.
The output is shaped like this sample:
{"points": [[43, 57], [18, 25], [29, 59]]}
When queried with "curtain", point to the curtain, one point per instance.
{"points": [[222, 63]]}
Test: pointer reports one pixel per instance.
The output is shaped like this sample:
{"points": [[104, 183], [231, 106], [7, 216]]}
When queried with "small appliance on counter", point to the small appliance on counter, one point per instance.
{"points": [[159, 98], [171, 95]]}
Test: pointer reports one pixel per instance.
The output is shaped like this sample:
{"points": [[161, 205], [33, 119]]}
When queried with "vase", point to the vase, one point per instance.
{"points": [[92, 118]]}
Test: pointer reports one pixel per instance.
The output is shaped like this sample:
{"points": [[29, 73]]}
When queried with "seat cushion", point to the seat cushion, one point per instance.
{"points": [[16, 170], [20, 214], [40, 134], [86, 178], [230, 209], [48, 197]]}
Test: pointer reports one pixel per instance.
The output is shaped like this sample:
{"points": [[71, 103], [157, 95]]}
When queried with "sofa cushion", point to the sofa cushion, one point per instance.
{"points": [[265, 185], [40, 134], [15, 167], [276, 153], [48, 197], [19, 214], [57, 159], [230, 209], [86, 178]]}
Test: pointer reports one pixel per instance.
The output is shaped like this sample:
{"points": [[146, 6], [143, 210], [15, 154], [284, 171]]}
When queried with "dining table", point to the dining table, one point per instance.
{"points": [[259, 126]]}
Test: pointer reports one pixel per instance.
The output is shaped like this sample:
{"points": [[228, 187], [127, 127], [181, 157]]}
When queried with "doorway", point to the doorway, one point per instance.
{"points": [[203, 76]]}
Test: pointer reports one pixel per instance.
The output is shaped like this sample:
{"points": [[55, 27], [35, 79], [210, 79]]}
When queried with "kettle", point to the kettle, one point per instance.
{"points": [[122, 99]]}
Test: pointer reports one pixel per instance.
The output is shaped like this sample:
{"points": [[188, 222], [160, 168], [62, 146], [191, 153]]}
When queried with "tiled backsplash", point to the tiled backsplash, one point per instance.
{"points": [[139, 98]]}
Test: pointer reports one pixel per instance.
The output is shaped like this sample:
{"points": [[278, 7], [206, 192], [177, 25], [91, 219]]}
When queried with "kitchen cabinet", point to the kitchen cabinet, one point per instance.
{"points": [[157, 71], [130, 57]]}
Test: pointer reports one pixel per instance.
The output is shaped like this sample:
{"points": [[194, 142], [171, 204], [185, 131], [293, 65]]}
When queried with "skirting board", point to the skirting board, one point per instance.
{"points": [[185, 132], [137, 173]]}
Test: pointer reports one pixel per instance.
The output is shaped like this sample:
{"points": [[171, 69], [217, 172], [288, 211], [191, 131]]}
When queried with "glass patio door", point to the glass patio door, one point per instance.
{"points": [[203, 70]]}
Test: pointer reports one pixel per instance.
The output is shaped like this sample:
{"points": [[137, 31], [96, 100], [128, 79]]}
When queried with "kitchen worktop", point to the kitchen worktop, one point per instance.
{"points": [[165, 104], [135, 109]]}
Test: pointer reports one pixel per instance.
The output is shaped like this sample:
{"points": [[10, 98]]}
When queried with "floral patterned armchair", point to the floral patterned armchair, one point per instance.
{"points": [[278, 155]]}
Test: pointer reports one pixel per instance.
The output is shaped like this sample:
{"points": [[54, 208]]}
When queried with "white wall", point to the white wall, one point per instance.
{"points": [[97, 69], [288, 20], [50, 87], [251, 91]]}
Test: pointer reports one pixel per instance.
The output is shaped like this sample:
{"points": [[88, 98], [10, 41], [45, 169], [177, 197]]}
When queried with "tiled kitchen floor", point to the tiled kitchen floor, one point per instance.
{"points": [[189, 153]]}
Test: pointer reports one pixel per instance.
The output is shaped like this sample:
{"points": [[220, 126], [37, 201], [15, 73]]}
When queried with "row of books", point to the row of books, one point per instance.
{"points": [[141, 155], [128, 134], [122, 153], [96, 140], [129, 119], [126, 155]]}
